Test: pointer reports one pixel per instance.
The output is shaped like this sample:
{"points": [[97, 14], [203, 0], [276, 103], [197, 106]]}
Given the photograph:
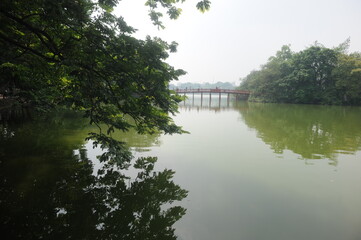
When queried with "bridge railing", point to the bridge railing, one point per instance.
{"points": [[210, 90]]}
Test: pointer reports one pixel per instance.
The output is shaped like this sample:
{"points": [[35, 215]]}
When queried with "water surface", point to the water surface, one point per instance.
{"points": [[52, 186], [253, 172], [267, 171]]}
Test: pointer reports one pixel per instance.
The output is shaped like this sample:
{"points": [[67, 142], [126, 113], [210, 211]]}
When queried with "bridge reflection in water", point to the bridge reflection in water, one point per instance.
{"points": [[239, 94]]}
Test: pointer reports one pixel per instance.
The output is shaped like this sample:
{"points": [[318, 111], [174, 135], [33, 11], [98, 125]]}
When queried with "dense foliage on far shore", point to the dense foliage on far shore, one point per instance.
{"points": [[316, 75]]}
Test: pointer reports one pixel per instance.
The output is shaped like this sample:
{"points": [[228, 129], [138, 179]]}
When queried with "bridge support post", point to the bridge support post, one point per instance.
{"points": [[201, 99], [210, 99]]}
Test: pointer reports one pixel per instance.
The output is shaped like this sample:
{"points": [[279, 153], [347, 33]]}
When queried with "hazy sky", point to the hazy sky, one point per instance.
{"points": [[237, 36]]}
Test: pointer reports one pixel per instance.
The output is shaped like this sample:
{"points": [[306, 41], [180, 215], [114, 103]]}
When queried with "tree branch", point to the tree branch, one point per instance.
{"points": [[9, 40], [38, 32]]}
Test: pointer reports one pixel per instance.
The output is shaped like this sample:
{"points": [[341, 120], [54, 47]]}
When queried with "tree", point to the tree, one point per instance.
{"points": [[312, 75], [316, 75], [271, 84], [78, 54], [348, 78]]}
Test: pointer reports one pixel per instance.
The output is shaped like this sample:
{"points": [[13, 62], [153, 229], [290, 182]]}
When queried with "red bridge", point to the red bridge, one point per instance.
{"points": [[239, 93], [212, 90]]}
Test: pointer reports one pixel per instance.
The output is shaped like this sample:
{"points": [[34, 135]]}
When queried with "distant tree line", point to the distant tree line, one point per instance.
{"points": [[222, 85], [316, 75]]}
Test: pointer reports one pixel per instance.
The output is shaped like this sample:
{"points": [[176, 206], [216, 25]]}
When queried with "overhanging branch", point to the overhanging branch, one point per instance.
{"points": [[37, 53]]}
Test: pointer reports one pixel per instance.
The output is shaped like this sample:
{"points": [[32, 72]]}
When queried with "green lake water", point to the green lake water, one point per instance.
{"points": [[253, 172]]}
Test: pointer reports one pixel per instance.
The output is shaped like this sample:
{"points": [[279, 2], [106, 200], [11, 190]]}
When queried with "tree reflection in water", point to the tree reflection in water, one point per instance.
{"points": [[48, 192], [313, 132]]}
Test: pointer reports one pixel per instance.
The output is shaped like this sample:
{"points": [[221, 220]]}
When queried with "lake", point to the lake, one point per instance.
{"points": [[252, 171]]}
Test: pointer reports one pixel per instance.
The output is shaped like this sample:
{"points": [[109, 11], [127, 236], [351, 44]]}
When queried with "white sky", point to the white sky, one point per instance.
{"points": [[237, 36]]}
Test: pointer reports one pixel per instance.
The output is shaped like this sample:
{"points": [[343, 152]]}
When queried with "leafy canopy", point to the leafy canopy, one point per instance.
{"points": [[78, 54], [316, 75]]}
